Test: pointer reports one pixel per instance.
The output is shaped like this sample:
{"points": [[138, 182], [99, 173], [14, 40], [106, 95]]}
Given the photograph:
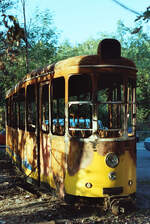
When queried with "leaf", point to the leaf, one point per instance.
{"points": [[136, 30], [12, 18]]}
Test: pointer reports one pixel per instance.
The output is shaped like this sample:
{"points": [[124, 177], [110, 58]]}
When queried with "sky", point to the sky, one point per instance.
{"points": [[79, 20]]}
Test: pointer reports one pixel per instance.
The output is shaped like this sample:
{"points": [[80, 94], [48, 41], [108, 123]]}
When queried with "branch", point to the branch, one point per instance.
{"points": [[127, 8]]}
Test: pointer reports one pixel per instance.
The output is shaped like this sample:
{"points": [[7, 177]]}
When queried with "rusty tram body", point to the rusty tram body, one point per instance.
{"points": [[72, 125]]}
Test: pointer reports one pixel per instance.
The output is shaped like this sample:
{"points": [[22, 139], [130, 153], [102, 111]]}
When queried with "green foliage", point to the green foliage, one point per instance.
{"points": [[137, 48], [5, 5], [6, 52], [66, 50], [42, 44], [42, 38], [145, 15]]}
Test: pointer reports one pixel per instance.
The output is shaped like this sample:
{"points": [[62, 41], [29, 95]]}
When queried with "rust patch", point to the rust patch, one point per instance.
{"points": [[80, 155], [58, 170], [74, 156], [117, 147], [87, 155], [59, 185]]}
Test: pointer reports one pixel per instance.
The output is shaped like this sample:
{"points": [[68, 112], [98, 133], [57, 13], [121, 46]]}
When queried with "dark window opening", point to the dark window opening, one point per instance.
{"points": [[31, 108], [110, 99], [58, 106], [8, 103], [80, 88], [80, 106], [21, 107], [45, 108], [131, 108], [14, 116]]}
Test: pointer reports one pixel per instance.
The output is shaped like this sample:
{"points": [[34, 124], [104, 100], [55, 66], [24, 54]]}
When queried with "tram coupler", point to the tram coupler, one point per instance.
{"points": [[119, 206]]}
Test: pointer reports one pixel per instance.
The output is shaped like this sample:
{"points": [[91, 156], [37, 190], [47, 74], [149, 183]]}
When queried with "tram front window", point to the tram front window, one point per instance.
{"points": [[110, 99], [80, 106]]}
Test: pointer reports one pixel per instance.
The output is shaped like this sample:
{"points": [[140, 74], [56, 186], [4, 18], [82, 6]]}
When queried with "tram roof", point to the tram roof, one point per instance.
{"points": [[81, 61], [86, 61]]}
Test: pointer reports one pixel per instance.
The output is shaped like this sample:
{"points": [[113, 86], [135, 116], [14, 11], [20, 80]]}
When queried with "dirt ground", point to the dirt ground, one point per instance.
{"points": [[21, 202]]}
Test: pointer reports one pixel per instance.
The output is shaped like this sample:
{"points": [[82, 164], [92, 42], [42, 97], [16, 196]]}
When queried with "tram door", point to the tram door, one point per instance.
{"points": [[44, 124], [58, 130]]}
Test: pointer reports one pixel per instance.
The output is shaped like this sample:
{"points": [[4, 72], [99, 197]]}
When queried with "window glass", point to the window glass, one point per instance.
{"points": [[45, 108], [80, 112], [31, 108], [58, 106]]}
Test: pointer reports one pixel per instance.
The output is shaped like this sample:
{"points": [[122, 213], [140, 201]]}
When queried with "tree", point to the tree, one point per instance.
{"points": [[5, 5], [144, 17], [66, 50], [5, 51], [9, 28], [42, 39], [10, 40], [137, 48]]}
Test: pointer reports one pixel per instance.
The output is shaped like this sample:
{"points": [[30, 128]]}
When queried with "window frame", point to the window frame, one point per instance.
{"points": [[80, 103], [63, 131], [20, 126], [124, 104], [42, 85], [31, 127]]}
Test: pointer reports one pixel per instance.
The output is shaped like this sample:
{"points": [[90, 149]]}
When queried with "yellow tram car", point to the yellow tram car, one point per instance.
{"points": [[72, 124]]}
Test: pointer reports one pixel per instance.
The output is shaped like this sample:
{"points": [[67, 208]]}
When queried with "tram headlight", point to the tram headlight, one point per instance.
{"points": [[88, 185], [112, 176], [112, 160]]}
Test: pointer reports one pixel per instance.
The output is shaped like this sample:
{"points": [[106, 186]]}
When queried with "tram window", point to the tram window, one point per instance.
{"points": [[11, 112], [110, 115], [80, 112], [110, 97], [58, 106], [80, 120], [31, 108], [131, 107], [8, 102], [110, 89], [14, 111], [80, 88], [45, 108], [21, 103]]}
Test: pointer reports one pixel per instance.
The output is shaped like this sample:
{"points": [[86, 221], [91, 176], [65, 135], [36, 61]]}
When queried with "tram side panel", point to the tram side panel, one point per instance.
{"points": [[58, 161], [45, 158], [12, 143], [29, 156]]}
